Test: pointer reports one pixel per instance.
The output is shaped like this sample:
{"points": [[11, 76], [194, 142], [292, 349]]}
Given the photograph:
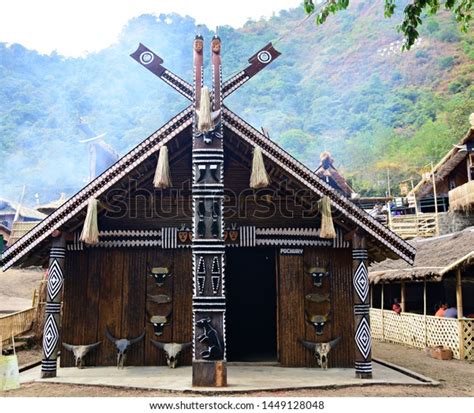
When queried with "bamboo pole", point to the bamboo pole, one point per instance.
{"points": [[460, 313], [381, 306], [459, 293], [435, 194], [424, 310], [402, 296]]}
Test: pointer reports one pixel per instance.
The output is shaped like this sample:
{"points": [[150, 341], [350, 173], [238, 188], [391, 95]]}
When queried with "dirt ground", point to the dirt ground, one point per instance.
{"points": [[16, 288], [456, 378]]}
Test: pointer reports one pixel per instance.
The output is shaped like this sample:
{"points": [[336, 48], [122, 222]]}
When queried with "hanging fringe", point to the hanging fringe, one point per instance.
{"points": [[205, 123], [90, 231], [327, 224], [259, 177], [162, 174]]}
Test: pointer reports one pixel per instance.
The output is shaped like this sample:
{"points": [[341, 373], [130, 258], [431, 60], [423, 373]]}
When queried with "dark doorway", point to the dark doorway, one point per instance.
{"points": [[251, 304]]}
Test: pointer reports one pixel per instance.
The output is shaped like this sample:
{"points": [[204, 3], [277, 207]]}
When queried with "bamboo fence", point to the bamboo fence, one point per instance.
{"points": [[421, 331]]}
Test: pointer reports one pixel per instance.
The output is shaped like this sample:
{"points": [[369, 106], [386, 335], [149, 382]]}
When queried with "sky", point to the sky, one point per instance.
{"points": [[77, 27]]}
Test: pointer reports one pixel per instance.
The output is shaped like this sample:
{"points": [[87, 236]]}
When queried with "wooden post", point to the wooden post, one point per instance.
{"points": [[424, 310], [209, 352], [363, 337], [51, 332], [402, 296], [459, 293], [381, 307], [435, 194]]}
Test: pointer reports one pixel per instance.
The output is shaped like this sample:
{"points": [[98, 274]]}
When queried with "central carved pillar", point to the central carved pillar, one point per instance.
{"points": [[209, 355], [51, 332], [360, 277]]}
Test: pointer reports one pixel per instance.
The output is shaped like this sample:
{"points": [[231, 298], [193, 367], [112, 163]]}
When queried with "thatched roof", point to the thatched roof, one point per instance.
{"points": [[435, 257], [53, 205], [331, 175], [444, 167], [20, 228], [10, 208]]}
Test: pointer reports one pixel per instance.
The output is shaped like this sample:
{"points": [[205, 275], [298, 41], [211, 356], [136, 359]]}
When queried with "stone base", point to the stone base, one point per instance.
{"points": [[48, 374], [363, 375], [209, 373]]}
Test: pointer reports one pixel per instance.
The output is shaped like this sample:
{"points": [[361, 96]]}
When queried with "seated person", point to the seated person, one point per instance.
{"points": [[451, 312], [396, 306], [441, 310]]}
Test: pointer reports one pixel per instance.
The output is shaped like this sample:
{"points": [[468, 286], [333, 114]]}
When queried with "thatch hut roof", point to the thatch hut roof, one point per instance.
{"points": [[445, 166], [53, 205], [435, 257]]}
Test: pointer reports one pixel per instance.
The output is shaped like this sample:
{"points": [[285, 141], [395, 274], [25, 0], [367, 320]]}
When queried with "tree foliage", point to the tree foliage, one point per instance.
{"points": [[413, 13]]}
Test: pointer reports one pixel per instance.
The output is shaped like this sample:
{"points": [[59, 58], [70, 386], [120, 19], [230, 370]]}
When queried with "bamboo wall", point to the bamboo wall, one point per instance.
{"points": [[108, 287]]}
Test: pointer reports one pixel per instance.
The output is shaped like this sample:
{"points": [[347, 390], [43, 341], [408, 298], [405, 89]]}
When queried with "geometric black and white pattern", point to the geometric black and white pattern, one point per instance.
{"points": [[50, 336], [363, 338], [361, 282], [55, 280]]}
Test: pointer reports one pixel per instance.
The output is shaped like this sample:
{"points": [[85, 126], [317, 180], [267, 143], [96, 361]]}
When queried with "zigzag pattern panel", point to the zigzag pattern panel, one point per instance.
{"points": [[363, 338], [361, 282], [50, 336], [55, 279]]}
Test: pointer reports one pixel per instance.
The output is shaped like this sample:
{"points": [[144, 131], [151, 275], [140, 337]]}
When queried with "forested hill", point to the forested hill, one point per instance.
{"points": [[342, 87]]}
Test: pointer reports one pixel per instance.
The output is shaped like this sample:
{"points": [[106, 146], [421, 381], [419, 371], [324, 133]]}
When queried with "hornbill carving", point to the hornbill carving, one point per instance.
{"points": [[172, 351], [80, 352], [321, 350], [122, 345]]}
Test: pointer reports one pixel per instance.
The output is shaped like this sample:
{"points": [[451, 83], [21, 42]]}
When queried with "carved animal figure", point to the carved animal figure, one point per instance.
{"points": [[159, 274], [317, 274], [321, 350], [172, 351], [159, 322], [318, 321], [317, 298], [211, 338], [80, 352], [122, 345]]}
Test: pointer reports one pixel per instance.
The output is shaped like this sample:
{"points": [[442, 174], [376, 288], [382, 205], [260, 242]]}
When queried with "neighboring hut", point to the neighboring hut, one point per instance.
{"points": [[190, 250], [4, 236], [443, 272], [453, 179], [10, 211], [52, 206], [328, 172]]}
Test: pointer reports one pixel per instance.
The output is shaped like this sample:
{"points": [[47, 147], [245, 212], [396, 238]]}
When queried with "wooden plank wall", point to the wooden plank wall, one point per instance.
{"points": [[109, 287], [294, 285]]}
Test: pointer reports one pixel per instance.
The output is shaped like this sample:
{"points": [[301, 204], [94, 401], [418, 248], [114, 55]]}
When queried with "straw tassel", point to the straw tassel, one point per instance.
{"points": [[259, 177], [327, 224], [162, 175], [90, 231], [205, 123]]}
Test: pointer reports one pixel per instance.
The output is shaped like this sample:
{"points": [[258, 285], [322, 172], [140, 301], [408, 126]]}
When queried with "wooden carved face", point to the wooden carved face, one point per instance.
{"points": [[216, 46], [198, 45]]}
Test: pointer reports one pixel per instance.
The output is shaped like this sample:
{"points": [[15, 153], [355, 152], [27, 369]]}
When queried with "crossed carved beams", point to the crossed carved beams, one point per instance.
{"points": [[153, 63]]}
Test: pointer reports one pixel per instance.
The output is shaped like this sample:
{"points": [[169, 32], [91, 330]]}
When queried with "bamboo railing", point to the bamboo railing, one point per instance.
{"points": [[420, 331], [414, 225]]}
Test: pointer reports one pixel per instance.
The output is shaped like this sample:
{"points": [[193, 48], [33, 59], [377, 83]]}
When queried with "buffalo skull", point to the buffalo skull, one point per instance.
{"points": [[159, 274], [318, 322], [122, 345], [317, 275], [172, 351], [80, 352], [321, 350]]}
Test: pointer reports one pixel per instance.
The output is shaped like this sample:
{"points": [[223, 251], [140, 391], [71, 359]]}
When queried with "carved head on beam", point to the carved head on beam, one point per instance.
{"points": [[317, 274], [159, 274], [216, 44], [198, 43], [318, 321], [321, 350], [80, 352], [122, 345], [172, 351]]}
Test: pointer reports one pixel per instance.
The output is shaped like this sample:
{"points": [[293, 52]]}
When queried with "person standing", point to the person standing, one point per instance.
{"points": [[451, 312], [441, 310]]}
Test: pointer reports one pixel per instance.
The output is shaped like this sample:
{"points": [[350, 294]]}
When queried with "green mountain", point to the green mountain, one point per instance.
{"points": [[342, 87]]}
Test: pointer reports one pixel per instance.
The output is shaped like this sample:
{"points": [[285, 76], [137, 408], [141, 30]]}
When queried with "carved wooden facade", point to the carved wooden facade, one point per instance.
{"points": [[161, 262]]}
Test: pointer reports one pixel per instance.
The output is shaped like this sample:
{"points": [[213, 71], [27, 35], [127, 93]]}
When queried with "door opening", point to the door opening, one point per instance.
{"points": [[251, 304]]}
